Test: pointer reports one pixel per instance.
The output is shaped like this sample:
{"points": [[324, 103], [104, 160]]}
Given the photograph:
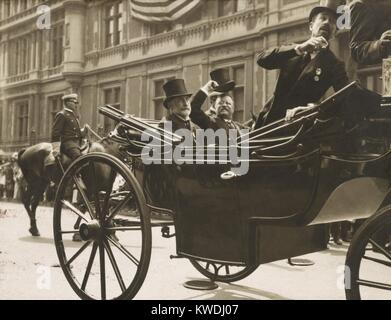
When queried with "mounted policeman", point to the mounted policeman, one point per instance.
{"points": [[66, 128], [38, 162]]}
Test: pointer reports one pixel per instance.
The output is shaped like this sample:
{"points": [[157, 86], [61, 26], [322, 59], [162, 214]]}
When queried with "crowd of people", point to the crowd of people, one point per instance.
{"points": [[10, 179]]}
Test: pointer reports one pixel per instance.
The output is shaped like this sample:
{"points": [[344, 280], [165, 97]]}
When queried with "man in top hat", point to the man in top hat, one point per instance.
{"points": [[178, 104], [211, 112], [221, 76], [66, 128], [370, 33], [224, 105], [307, 70]]}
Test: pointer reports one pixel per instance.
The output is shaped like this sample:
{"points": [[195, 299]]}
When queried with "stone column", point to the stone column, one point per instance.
{"points": [[387, 76], [75, 11]]}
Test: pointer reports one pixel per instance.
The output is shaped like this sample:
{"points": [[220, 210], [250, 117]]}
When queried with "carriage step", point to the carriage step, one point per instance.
{"points": [[166, 232]]}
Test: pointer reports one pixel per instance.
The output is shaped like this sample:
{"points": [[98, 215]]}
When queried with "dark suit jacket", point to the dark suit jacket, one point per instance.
{"points": [[179, 123], [66, 127], [301, 80], [368, 23], [204, 121]]}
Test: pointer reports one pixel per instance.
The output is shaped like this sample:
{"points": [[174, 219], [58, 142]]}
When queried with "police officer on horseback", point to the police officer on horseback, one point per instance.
{"points": [[66, 127]]}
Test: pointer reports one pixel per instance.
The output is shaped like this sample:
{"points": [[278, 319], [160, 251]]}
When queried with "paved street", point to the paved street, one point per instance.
{"points": [[23, 260]]}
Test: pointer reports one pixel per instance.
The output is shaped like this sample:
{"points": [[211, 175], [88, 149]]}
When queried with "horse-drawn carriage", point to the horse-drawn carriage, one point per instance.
{"points": [[330, 163]]}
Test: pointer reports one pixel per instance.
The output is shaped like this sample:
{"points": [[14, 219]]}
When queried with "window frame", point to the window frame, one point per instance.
{"points": [[22, 119], [107, 123], [158, 100], [116, 18]]}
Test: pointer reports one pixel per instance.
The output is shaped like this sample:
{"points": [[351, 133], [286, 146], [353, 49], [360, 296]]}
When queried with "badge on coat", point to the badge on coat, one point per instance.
{"points": [[318, 72]]}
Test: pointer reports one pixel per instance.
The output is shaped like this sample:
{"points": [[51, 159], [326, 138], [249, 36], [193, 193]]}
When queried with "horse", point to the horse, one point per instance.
{"points": [[37, 176]]}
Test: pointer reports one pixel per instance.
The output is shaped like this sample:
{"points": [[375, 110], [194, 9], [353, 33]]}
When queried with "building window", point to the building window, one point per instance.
{"points": [[22, 117], [238, 92], [57, 45], [7, 8], [23, 56], [227, 7], [160, 28], [113, 24], [19, 57], [23, 4], [158, 98], [112, 97], [55, 105]]}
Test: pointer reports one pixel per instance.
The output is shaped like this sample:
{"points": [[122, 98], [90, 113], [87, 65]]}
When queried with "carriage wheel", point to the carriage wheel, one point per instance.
{"points": [[223, 272], [99, 198], [368, 260]]}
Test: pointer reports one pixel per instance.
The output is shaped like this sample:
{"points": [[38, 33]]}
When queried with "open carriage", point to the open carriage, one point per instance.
{"points": [[325, 165]]}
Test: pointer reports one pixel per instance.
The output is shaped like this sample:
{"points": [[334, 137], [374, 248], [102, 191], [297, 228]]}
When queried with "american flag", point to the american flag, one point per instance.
{"points": [[161, 10]]}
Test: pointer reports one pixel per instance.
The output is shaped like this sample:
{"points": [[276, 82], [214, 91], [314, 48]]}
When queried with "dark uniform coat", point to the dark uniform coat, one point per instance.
{"points": [[66, 128], [301, 80], [368, 22], [204, 121]]}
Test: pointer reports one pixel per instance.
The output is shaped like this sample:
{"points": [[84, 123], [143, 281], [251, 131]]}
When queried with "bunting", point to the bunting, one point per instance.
{"points": [[161, 10]]}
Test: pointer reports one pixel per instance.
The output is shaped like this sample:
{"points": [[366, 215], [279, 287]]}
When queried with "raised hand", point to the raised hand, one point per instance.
{"points": [[313, 44], [209, 87]]}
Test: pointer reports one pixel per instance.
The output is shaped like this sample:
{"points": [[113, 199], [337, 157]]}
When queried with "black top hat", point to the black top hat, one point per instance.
{"points": [[329, 6], [221, 76], [174, 88]]}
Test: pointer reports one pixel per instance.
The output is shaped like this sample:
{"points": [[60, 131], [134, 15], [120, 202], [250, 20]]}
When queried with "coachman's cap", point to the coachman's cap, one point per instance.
{"points": [[221, 76], [72, 96], [329, 6], [173, 89]]}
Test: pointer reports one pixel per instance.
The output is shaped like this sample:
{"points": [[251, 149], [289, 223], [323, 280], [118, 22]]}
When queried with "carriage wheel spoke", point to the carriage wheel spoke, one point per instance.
{"points": [[109, 189], [74, 210], [373, 284], [102, 271], [227, 269], [121, 248], [69, 232], [386, 263], [380, 248], [83, 195], [120, 206], [94, 187], [115, 266], [89, 266], [124, 229], [78, 253]]}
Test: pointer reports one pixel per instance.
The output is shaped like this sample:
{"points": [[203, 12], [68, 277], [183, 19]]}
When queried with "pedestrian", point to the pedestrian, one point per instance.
{"points": [[2, 181], [9, 182]]}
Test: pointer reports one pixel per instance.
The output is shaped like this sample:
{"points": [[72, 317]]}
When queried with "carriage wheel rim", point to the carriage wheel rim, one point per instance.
{"points": [[358, 252], [104, 243]]}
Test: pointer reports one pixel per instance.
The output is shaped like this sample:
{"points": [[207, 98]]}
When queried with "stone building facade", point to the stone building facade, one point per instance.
{"points": [[96, 49]]}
